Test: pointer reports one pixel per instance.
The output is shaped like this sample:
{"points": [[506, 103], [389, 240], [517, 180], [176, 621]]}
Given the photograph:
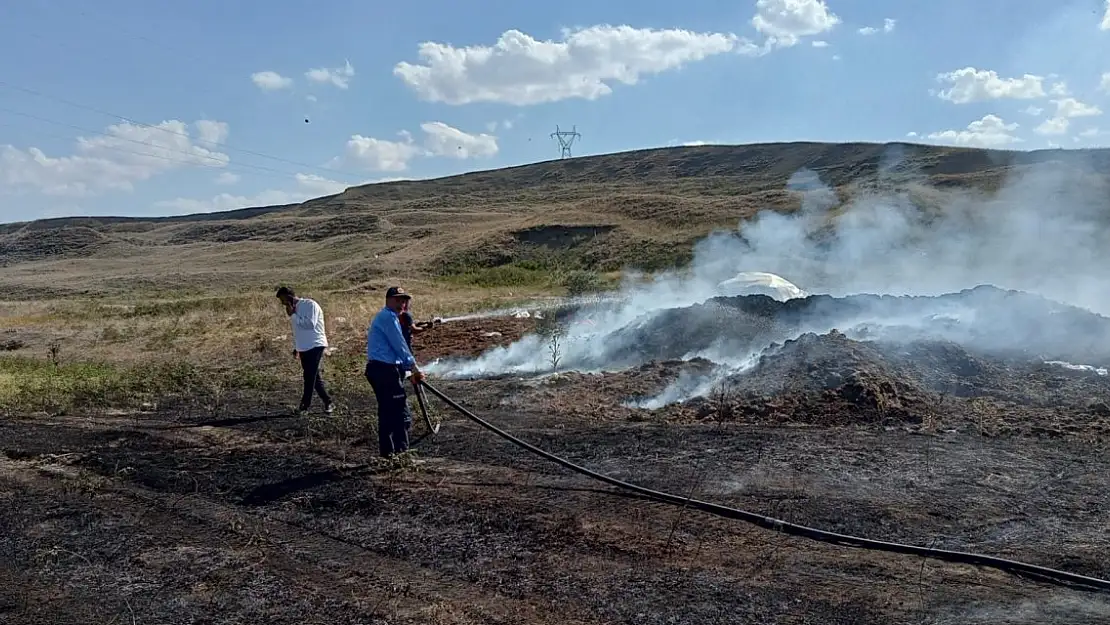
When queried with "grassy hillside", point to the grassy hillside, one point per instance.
{"points": [[153, 295], [508, 227]]}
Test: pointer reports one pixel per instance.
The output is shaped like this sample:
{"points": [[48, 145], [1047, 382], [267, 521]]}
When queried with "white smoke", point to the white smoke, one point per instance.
{"points": [[1042, 232]]}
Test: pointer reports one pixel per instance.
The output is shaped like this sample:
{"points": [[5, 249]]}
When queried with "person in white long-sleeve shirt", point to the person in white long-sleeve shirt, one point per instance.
{"points": [[309, 342]]}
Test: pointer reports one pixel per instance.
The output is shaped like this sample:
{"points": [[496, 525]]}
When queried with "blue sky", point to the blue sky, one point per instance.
{"points": [[125, 107]]}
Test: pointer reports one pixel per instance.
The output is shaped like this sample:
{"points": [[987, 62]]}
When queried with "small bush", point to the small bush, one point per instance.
{"points": [[582, 282]]}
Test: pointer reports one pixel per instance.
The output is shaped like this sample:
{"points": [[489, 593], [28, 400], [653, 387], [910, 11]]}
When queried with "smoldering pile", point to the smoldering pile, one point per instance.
{"points": [[983, 356], [831, 380], [1004, 324]]}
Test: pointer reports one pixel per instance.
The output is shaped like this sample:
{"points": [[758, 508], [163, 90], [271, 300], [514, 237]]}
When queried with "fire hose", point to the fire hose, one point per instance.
{"points": [[1021, 569]]}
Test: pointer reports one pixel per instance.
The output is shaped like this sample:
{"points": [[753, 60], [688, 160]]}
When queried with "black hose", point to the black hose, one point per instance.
{"points": [[1044, 574]]}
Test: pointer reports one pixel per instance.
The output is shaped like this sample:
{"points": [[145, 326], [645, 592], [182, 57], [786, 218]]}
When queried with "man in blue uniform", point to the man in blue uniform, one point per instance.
{"points": [[388, 357]]}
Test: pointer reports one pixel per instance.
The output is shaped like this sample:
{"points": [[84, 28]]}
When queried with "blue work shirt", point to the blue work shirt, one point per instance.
{"points": [[385, 342]]}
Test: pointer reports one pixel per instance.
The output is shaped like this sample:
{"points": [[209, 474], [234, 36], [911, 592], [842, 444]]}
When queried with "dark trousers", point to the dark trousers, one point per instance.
{"points": [[312, 362], [394, 418]]}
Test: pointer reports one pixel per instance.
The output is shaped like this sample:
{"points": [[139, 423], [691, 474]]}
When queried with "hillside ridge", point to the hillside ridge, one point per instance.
{"points": [[957, 160], [640, 209]]}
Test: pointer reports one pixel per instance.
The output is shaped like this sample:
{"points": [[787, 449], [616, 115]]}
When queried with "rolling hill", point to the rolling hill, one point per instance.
{"points": [[642, 209]]}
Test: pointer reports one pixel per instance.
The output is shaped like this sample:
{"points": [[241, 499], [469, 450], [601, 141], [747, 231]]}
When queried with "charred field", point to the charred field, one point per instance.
{"points": [[908, 419], [151, 471]]}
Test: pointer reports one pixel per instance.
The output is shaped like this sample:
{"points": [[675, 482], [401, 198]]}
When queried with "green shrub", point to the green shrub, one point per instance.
{"points": [[582, 282]]}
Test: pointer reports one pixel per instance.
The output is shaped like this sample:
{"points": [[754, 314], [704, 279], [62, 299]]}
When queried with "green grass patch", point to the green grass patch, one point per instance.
{"points": [[504, 263], [99, 309], [512, 275], [29, 385], [530, 274]]}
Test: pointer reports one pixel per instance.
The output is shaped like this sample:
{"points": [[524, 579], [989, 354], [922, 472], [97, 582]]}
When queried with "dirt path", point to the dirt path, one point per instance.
{"points": [[154, 518]]}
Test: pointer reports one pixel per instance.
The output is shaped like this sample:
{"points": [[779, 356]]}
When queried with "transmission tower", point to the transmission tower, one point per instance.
{"points": [[566, 139]]}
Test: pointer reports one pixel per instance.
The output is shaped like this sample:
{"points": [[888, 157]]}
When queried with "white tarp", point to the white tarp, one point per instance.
{"points": [[759, 283]]}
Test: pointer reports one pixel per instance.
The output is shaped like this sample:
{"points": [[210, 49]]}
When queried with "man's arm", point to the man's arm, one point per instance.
{"points": [[293, 335], [421, 326], [318, 317], [317, 313]]}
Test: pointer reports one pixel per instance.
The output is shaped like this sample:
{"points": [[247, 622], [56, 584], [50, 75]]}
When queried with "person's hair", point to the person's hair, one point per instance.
{"points": [[284, 292]]}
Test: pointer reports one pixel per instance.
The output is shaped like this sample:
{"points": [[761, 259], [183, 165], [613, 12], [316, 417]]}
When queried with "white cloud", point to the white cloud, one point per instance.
{"points": [[1105, 24], [211, 132], [380, 154], [310, 98], [308, 187], [784, 22], [319, 184], [1066, 109], [988, 132], [1033, 110], [125, 154], [521, 70], [1104, 84], [1059, 89], [227, 178], [506, 124], [820, 44], [887, 27], [338, 76], [1090, 132], [1070, 107], [440, 139], [229, 201], [1053, 126], [443, 140], [271, 81], [912, 135], [973, 85]]}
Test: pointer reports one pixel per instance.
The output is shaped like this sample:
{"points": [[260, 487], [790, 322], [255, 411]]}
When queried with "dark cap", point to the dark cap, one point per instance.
{"points": [[396, 291]]}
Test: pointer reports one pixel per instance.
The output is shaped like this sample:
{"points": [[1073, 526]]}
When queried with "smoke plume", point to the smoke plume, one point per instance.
{"points": [[1043, 233]]}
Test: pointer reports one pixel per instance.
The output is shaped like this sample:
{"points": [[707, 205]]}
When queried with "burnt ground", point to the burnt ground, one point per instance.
{"points": [[176, 517]]}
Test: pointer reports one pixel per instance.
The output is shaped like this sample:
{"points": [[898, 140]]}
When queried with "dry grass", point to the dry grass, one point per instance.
{"points": [[220, 328], [74, 354], [653, 204], [199, 289]]}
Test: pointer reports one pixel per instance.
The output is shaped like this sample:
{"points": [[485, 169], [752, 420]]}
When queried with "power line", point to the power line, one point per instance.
{"points": [[117, 28], [223, 146], [165, 158], [285, 175]]}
